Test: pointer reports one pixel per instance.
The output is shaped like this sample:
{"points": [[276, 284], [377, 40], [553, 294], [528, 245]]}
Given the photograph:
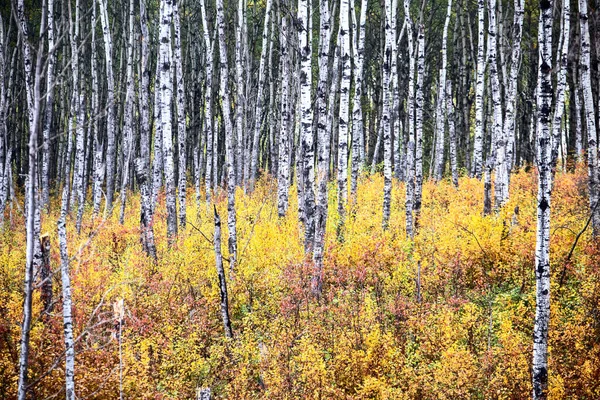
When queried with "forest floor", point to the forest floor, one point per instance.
{"points": [[368, 336]]}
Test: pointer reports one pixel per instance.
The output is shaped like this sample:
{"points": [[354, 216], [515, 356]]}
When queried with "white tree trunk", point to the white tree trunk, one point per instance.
{"points": [[99, 166], [128, 138], [451, 133], [319, 215], [344, 40], [511, 93], [259, 97], [229, 149], [590, 115], [561, 82], [441, 102], [544, 164], [477, 164], [49, 105], [501, 179], [419, 124], [32, 211], [165, 61], [240, 101], [390, 36], [306, 133], [66, 299], [207, 126], [410, 126], [181, 128], [283, 172], [110, 99], [358, 142]]}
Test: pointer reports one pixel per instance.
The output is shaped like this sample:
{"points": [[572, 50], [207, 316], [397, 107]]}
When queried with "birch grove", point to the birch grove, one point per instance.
{"points": [[287, 116]]}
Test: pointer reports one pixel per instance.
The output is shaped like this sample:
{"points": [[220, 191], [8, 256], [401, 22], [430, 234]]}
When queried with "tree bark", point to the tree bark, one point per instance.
{"points": [[441, 102], [544, 161], [166, 97], [358, 142], [181, 123], [477, 165], [221, 274], [229, 149], [590, 116]]}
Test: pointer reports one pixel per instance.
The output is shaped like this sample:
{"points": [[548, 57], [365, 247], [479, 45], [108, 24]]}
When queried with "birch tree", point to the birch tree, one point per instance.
{"points": [[181, 123], [419, 124], [207, 125], [323, 145], [110, 112], [221, 274], [441, 102], [283, 172], [450, 116], [344, 40], [166, 96], [128, 138], [229, 150], [511, 92], [306, 154], [410, 125], [32, 89], [259, 97], [358, 150], [385, 115], [501, 164], [477, 164], [47, 123], [590, 116], [544, 164], [561, 81]]}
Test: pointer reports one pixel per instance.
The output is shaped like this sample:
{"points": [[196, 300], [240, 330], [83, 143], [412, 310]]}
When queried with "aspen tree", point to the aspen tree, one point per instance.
{"points": [[544, 165], [229, 150], [441, 102]]}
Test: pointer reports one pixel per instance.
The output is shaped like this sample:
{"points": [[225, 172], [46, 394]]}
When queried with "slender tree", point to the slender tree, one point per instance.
{"points": [[441, 102], [544, 165], [590, 115], [477, 165], [229, 149]]}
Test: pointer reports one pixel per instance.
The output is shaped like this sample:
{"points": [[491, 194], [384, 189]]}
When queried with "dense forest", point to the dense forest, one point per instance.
{"points": [[342, 199]]}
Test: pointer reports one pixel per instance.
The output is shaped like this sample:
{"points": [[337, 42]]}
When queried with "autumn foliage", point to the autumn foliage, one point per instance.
{"points": [[368, 336]]}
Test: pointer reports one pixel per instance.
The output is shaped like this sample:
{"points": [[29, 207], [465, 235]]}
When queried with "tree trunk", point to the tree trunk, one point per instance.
{"points": [[207, 126], [358, 142], [410, 126], [181, 128], [544, 164], [441, 102], [450, 116], [306, 132], [501, 179], [110, 99], [33, 101], [166, 97], [590, 116], [128, 138], [229, 150], [390, 35], [344, 40], [259, 98], [221, 274], [477, 165], [323, 146], [283, 171], [511, 95], [419, 124]]}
